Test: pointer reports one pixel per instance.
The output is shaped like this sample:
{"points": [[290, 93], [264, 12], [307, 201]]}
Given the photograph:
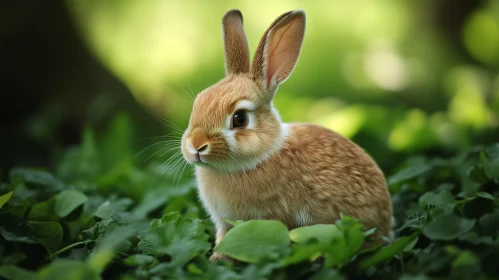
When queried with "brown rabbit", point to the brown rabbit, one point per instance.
{"points": [[250, 165]]}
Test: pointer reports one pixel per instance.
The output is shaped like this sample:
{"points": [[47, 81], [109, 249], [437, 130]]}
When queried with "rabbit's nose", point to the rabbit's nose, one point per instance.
{"points": [[203, 148]]}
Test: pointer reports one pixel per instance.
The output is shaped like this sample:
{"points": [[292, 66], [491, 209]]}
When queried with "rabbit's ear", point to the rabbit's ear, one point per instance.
{"points": [[279, 49], [237, 59]]}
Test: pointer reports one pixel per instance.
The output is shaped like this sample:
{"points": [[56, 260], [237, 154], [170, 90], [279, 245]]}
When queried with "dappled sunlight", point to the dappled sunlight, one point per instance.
{"points": [[495, 101], [467, 87], [346, 121], [481, 34], [357, 56], [386, 68], [411, 132], [154, 45], [468, 108]]}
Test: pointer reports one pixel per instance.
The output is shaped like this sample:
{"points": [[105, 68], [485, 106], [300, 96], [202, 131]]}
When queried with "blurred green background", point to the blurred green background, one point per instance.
{"points": [[397, 77]]}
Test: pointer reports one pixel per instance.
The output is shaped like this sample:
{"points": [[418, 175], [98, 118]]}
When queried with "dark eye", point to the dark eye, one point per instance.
{"points": [[239, 119]]}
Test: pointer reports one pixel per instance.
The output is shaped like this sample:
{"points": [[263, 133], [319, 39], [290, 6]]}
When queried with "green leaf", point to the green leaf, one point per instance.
{"points": [[409, 173], [16, 237], [68, 270], [485, 195], [386, 253], [327, 273], [180, 238], [12, 272], [233, 223], [154, 198], [321, 232], [114, 240], [304, 252], [36, 178], [110, 208], [477, 174], [4, 198], [67, 201], [16, 229], [49, 234], [116, 142], [43, 211], [414, 277], [489, 223], [254, 240], [14, 258], [491, 162], [443, 202], [448, 227], [140, 260], [111, 235], [465, 258], [81, 162], [206, 270], [348, 245], [100, 230], [473, 238], [411, 245]]}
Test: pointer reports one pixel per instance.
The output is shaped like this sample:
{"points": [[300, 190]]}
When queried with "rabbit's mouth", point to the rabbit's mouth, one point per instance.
{"points": [[199, 158]]}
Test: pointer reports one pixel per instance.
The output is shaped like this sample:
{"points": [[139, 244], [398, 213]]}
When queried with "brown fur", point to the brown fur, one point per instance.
{"points": [[235, 40], [299, 174], [329, 176]]}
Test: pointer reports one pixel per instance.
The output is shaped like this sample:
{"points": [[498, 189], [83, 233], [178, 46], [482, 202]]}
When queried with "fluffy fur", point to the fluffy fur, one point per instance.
{"points": [[300, 174]]}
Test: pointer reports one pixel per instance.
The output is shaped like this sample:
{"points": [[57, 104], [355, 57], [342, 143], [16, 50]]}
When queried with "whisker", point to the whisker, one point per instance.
{"points": [[192, 97], [181, 172], [174, 168], [174, 156], [173, 134], [162, 151], [190, 94], [193, 94], [161, 142], [166, 122], [165, 164], [168, 164], [171, 164]]}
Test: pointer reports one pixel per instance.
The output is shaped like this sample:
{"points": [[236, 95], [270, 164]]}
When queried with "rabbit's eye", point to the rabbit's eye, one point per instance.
{"points": [[239, 119]]}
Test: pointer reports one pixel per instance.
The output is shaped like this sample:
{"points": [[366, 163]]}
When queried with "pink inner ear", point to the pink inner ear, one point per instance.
{"points": [[283, 49]]}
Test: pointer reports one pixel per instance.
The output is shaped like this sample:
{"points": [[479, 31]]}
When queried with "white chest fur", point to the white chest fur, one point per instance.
{"points": [[224, 199]]}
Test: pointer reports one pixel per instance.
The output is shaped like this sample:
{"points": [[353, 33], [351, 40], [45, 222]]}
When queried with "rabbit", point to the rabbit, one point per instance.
{"points": [[248, 164]]}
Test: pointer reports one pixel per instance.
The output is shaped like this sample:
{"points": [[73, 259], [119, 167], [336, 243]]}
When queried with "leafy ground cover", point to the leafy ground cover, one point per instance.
{"points": [[97, 215]]}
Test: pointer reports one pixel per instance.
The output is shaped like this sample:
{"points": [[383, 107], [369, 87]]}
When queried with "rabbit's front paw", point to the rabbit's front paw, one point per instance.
{"points": [[216, 256]]}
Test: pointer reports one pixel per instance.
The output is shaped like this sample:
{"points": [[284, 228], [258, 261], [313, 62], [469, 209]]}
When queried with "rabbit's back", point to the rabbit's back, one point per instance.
{"points": [[315, 176]]}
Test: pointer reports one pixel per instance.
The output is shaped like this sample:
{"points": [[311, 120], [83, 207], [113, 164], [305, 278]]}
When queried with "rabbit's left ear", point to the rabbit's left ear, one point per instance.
{"points": [[279, 49], [235, 44]]}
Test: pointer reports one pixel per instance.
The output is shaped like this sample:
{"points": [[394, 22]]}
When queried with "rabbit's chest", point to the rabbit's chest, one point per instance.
{"points": [[243, 199], [233, 204]]}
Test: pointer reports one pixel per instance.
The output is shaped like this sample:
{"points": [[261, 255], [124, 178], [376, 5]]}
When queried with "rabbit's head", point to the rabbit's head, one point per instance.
{"points": [[233, 124]]}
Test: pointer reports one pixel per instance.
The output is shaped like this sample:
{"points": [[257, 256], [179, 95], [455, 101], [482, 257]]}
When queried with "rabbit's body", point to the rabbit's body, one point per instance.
{"points": [[249, 165], [315, 176]]}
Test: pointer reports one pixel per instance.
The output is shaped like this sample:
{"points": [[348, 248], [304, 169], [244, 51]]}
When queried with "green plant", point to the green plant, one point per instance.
{"points": [[99, 215]]}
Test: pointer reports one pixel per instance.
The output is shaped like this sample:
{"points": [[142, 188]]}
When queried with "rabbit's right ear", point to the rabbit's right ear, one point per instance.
{"points": [[237, 58], [278, 51]]}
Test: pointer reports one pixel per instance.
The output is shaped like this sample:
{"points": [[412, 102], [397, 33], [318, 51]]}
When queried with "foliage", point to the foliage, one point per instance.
{"points": [[99, 215]]}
